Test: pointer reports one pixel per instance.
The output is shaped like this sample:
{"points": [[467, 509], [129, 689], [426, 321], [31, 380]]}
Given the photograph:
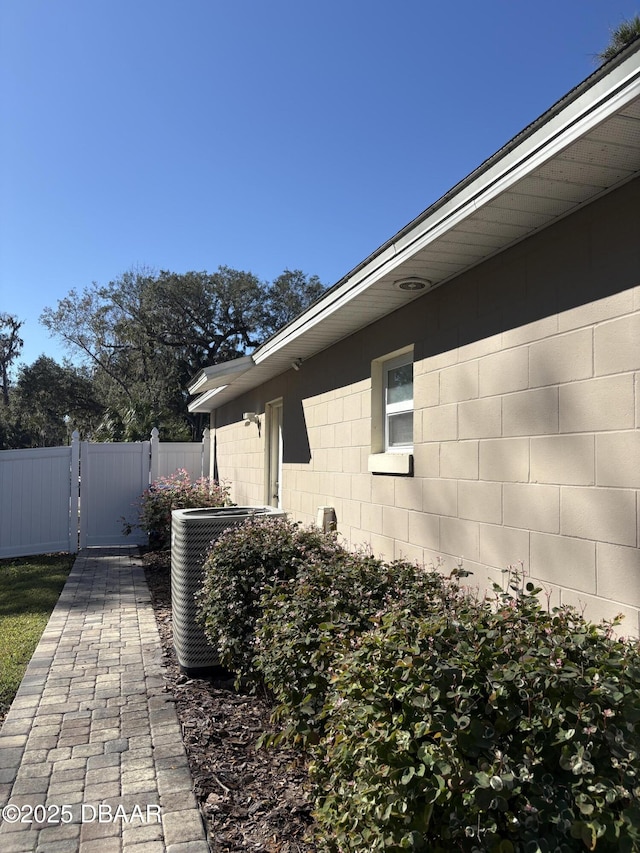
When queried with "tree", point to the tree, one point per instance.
{"points": [[10, 347], [288, 296], [146, 334], [48, 403], [621, 36]]}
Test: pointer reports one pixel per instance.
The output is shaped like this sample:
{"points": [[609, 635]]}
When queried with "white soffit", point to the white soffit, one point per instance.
{"points": [[586, 145], [203, 403], [213, 377]]}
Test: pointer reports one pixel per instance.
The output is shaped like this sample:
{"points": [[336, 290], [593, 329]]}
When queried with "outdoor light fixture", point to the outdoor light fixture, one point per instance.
{"points": [[296, 363], [251, 418], [412, 283]]}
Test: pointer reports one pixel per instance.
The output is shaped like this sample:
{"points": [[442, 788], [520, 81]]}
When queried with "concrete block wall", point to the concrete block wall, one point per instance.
{"points": [[534, 456], [241, 462], [526, 422], [339, 431]]}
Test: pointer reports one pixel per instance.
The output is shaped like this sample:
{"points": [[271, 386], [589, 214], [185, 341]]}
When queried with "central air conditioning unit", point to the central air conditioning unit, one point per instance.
{"points": [[192, 532]]}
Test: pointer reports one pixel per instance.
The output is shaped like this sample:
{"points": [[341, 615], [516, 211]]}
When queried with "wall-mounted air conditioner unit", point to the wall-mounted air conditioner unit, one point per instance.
{"points": [[192, 532]]}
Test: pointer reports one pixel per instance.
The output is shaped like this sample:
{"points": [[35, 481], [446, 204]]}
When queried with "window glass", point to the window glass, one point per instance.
{"points": [[401, 430], [398, 403], [400, 384]]}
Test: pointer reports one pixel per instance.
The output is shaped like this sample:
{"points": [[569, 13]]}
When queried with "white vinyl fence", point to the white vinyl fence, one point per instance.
{"points": [[35, 501], [62, 498]]}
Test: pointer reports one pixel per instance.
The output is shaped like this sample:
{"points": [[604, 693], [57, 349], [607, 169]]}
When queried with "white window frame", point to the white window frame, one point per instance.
{"points": [[384, 459], [401, 408]]}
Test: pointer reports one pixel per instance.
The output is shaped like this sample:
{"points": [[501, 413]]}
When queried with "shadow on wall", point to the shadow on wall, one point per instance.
{"points": [[295, 443], [587, 257]]}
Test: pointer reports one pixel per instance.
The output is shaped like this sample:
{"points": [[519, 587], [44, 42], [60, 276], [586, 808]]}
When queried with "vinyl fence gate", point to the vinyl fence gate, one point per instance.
{"points": [[65, 498]]}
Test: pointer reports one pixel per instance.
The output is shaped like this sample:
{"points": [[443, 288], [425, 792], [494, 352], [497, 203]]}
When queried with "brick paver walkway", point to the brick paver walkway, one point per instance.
{"points": [[91, 756]]}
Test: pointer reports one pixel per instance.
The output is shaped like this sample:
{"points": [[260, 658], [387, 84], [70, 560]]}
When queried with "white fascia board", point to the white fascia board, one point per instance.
{"points": [[548, 142], [584, 111], [323, 308], [218, 374], [201, 403]]}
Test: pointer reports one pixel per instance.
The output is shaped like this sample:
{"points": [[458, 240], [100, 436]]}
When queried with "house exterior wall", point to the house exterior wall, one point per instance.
{"points": [[526, 420]]}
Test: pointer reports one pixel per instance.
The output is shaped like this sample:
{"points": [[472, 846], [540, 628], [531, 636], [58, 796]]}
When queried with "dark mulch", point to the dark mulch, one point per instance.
{"points": [[252, 799]]}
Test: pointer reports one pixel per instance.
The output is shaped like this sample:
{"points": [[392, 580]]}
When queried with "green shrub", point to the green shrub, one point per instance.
{"points": [[175, 492], [308, 621], [242, 562], [487, 726]]}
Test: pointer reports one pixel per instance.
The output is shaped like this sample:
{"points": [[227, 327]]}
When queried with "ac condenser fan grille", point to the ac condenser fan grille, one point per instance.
{"points": [[192, 533]]}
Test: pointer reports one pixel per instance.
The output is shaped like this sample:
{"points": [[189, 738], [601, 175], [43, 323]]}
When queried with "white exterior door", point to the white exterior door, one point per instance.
{"points": [[273, 478]]}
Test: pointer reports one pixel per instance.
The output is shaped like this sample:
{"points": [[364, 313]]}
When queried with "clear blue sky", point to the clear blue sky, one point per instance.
{"points": [[188, 134]]}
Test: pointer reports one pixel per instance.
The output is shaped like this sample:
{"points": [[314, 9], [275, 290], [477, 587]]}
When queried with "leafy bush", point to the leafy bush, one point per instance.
{"points": [[242, 562], [487, 726], [436, 721], [175, 492], [308, 621]]}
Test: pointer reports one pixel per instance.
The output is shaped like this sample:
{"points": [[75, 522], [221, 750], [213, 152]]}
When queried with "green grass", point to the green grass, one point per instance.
{"points": [[29, 590]]}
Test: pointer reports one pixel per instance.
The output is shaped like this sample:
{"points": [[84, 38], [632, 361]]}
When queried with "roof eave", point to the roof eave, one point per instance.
{"points": [[219, 374], [538, 142], [569, 120]]}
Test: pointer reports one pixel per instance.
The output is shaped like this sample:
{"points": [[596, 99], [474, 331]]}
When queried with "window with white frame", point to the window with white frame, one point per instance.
{"points": [[398, 404], [392, 413]]}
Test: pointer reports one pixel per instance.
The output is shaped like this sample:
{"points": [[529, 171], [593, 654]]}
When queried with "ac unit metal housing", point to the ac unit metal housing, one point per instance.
{"points": [[192, 533]]}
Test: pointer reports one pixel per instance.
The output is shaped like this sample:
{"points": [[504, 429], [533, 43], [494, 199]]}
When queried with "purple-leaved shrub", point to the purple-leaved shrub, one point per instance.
{"points": [[241, 564], [308, 622], [493, 726], [434, 720], [177, 491]]}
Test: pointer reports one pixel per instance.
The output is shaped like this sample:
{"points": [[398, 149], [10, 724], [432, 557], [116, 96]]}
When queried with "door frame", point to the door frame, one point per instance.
{"points": [[273, 453]]}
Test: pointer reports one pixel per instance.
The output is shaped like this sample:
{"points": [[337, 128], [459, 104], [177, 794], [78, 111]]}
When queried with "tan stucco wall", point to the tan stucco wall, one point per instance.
{"points": [[526, 426]]}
